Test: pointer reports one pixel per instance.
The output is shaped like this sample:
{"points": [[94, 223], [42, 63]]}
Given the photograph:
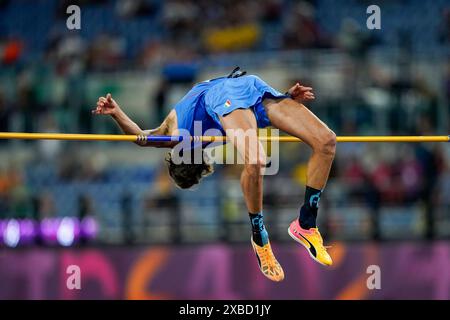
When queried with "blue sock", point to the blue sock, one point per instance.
{"points": [[308, 212], [259, 232]]}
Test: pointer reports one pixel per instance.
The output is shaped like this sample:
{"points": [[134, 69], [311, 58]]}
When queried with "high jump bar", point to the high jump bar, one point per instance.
{"points": [[150, 138]]}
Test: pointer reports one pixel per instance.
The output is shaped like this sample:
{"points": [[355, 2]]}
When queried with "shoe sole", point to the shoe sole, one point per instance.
{"points": [[306, 247], [259, 266]]}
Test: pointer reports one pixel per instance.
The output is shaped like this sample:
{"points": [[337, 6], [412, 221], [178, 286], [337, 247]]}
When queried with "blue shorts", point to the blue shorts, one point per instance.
{"points": [[246, 92]]}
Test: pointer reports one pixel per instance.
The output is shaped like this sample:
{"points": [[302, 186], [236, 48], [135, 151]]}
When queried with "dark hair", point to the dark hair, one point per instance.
{"points": [[185, 175]]}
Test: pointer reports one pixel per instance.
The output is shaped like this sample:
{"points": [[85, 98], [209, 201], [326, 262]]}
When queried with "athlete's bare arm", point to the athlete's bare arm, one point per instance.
{"points": [[108, 106]]}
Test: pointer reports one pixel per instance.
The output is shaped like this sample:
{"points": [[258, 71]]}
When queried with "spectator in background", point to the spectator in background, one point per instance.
{"points": [[74, 166], [444, 30], [10, 51], [272, 11], [354, 175], [302, 29], [411, 175], [447, 91], [178, 14], [85, 206], [5, 114], [134, 8], [427, 102], [66, 50], [70, 54], [27, 105], [181, 20], [353, 40], [5, 185], [239, 28], [49, 150], [45, 206], [107, 52], [161, 100], [17, 193], [160, 53], [383, 179], [235, 37], [68, 167], [442, 187], [160, 199]]}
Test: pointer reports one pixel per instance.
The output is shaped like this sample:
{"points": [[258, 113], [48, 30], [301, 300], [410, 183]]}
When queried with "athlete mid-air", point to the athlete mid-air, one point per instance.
{"points": [[245, 102]]}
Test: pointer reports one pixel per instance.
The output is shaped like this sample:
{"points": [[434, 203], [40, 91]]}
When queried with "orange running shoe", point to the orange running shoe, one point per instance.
{"points": [[267, 262], [312, 241]]}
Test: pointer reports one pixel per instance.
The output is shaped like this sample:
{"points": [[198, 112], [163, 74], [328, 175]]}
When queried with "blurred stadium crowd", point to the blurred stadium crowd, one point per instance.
{"points": [[147, 53]]}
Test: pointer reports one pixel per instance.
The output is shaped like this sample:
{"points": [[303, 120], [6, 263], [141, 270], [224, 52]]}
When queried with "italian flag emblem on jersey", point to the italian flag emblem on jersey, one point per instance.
{"points": [[228, 103]]}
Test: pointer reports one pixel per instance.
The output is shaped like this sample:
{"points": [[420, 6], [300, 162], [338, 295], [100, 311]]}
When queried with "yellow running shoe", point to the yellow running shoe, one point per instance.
{"points": [[267, 262], [311, 240]]}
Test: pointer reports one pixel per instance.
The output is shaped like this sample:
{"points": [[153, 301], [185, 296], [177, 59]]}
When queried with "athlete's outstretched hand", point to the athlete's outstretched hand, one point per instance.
{"points": [[301, 93], [106, 105]]}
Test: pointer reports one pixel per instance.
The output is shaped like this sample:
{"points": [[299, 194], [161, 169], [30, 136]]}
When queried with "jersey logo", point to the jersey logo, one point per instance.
{"points": [[228, 104]]}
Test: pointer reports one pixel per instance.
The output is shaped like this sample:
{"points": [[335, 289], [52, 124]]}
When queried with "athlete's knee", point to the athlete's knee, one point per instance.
{"points": [[327, 143]]}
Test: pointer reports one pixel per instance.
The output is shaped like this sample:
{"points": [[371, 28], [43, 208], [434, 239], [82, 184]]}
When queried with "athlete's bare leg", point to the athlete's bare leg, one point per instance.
{"points": [[238, 124], [297, 120], [251, 151]]}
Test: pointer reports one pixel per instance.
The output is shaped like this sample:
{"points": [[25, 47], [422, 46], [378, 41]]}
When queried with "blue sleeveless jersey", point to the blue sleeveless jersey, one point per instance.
{"points": [[209, 100]]}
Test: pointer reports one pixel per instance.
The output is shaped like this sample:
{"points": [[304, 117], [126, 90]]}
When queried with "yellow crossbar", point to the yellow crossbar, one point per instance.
{"points": [[134, 138]]}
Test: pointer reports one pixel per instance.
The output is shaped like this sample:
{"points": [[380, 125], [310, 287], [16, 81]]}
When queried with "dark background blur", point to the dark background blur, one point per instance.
{"points": [[393, 81]]}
